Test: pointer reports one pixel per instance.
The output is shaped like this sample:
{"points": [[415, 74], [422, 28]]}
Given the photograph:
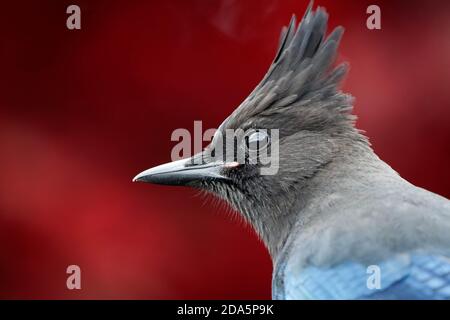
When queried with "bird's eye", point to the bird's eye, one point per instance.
{"points": [[257, 140]]}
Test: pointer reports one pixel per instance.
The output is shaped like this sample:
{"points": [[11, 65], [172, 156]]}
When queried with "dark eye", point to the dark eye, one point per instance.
{"points": [[257, 140]]}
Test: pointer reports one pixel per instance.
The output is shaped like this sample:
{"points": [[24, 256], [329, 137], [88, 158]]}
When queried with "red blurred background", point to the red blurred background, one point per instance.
{"points": [[81, 112]]}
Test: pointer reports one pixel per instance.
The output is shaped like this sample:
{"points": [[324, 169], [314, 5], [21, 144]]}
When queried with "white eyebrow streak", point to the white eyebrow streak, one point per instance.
{"points": [[231, 164]]}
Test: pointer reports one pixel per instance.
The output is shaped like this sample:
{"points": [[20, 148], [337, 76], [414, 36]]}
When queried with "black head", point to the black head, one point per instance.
{"points": [[281, 135]]}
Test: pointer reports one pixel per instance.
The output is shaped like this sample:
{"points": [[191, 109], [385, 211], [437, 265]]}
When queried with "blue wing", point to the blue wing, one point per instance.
{"points": [[405, 276]]}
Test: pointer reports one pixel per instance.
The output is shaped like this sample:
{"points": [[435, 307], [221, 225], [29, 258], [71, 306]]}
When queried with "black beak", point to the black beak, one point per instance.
{"points": [[182, 172]]}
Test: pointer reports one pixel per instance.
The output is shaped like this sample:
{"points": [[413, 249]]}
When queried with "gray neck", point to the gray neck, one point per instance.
{"points": [[351, 167]]}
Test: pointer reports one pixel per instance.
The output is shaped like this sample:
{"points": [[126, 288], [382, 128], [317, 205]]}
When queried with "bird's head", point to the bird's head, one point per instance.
{"points": [[288, 128]]}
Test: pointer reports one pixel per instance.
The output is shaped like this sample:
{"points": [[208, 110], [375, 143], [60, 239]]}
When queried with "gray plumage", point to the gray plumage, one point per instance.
{"points": [[334, 207]]}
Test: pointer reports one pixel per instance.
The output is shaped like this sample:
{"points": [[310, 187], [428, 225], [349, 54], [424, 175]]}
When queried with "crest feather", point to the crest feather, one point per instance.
{"points": [[301, 76]]}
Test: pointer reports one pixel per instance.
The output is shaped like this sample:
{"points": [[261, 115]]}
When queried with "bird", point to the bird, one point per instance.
{"points": [[338, 222]]}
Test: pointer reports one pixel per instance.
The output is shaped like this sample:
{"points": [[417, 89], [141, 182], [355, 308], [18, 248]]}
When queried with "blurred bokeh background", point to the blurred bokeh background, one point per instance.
{"points": [[81, 112]]}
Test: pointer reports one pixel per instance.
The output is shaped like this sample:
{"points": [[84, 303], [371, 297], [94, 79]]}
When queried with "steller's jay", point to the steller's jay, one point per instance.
{"points": [[338, 222]]}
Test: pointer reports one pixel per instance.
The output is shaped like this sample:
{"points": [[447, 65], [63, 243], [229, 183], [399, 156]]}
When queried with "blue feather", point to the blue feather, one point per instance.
{"points": [[405, 276]]}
